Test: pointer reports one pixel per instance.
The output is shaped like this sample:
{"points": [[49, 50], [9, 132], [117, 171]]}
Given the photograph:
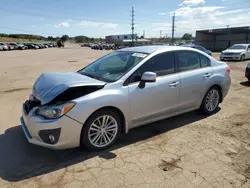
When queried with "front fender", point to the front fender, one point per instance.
{"points": [[87, 105]]}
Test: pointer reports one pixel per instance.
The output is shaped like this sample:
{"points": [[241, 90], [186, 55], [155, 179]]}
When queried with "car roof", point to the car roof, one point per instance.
{"points": [[189, 45], [151, 49], [240, 44]]}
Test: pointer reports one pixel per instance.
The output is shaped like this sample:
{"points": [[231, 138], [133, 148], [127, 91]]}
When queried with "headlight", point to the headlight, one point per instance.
{"points": [[55, 111]]}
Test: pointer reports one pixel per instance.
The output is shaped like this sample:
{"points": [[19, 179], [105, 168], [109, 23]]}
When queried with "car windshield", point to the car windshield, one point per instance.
{"points": [[113, 66], [238, 47]]}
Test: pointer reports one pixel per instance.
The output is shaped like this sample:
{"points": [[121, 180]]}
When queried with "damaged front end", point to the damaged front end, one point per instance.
{"points": [[53, 92]]}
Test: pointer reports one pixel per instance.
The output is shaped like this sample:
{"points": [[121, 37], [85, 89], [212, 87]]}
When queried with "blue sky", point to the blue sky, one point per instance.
{"points": [[97, 18]]}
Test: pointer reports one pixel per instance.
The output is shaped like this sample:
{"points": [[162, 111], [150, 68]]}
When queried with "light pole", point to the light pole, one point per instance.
{"points": [[229, 36]]}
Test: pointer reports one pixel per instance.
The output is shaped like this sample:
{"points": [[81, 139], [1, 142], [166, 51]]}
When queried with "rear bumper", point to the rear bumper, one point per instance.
{"points": [[226, 86]]}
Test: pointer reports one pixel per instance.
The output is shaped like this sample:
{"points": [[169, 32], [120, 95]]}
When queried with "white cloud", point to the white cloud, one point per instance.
{"points": [[192, 2], [102, 25], [229, 12], [189, 19], [62, 24], [162, 14]]}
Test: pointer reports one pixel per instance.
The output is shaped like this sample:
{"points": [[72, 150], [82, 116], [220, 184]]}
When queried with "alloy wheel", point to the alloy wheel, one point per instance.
{"points": [[103, 131], [212, 100]]}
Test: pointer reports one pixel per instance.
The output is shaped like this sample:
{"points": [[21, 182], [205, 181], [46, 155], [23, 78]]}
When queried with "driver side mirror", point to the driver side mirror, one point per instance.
{"points": [[147, 77]]}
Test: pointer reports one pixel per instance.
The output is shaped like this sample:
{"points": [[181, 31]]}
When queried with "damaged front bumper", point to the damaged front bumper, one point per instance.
{"points": [[61, 133]]}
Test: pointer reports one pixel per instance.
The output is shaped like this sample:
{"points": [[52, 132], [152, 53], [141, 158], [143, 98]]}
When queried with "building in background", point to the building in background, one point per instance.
{"points": [[126, 40], [220, 39]]}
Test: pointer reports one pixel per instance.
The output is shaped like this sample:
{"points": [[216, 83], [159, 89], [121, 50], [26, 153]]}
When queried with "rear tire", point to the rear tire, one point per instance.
{"points": [[211, 101], [101, 130]]}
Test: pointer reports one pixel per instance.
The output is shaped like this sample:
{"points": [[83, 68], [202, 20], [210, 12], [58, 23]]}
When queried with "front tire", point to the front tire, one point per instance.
{"points": [[101, 130], [211, 101], [242, 57]]}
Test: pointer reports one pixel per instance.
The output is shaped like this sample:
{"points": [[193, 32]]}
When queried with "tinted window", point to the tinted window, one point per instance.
{"points": [[161, 64], [188, 60], [205, 62]]}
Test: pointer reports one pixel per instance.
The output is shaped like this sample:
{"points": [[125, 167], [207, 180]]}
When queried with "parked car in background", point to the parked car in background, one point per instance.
{"points": [[247, 73], [236, 52], [10, 47], [18, 46], [22, 45], [39, 45], [4, 46], [1, 48], [198, 48], [31, 46], [122, 90]]}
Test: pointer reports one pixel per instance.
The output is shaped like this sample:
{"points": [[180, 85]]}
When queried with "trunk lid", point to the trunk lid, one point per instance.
{"points": [[51, 84]]}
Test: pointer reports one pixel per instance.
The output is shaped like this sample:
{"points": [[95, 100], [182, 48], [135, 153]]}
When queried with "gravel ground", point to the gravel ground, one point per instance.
{"points": [[189, 150]]}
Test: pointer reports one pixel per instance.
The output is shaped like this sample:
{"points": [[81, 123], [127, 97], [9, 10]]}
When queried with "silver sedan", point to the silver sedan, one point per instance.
{"points": [[122, 90]]}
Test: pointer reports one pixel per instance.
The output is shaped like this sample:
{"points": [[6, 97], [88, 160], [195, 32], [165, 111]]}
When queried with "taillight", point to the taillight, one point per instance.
{"points": [[228, 69]]}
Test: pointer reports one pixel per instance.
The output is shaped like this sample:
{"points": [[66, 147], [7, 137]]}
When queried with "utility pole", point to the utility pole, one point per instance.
{"points": [[133, 25], [173, 28], [144, 34], [160, 33], [229, 36]]}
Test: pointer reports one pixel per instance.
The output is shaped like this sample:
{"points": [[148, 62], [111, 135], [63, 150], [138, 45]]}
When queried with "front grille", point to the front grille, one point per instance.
{"points": [[29, 105]]}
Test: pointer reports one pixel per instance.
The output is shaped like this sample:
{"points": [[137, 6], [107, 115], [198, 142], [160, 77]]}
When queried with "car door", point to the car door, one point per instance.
{"points": [[156, 99], [195, 74]]}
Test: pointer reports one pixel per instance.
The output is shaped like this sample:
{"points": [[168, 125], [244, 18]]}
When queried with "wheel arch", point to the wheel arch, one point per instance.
{"points": [[114, 109]]}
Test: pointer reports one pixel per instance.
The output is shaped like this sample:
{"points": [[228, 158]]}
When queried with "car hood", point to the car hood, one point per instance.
{"points": [[51, 84], [232, 51]]}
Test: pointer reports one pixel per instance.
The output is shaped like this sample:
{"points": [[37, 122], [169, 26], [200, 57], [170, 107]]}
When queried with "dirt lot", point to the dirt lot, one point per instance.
{"points": [[190, 150]]}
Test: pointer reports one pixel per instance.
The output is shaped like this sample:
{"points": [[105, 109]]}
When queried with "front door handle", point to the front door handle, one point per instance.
{"points": [[174, 84], [207, 75]]}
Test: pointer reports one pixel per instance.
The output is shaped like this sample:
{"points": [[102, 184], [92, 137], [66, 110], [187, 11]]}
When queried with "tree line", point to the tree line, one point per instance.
{"points": [[77, 39], [80, 38]]}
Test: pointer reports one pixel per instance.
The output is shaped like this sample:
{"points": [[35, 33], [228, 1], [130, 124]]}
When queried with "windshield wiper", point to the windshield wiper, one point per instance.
{"points": [[90, 75]]}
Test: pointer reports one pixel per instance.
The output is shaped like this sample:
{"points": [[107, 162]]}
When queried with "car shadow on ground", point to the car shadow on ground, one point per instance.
{"points": [[246, 83], [20, 160]]}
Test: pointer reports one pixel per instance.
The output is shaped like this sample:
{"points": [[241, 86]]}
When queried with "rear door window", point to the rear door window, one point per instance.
{"points": [[205, 62], [188, 60]]}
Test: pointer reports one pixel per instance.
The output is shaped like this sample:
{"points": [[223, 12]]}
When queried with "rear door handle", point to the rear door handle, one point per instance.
{"points": [[207, 75], [174, 84]]}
